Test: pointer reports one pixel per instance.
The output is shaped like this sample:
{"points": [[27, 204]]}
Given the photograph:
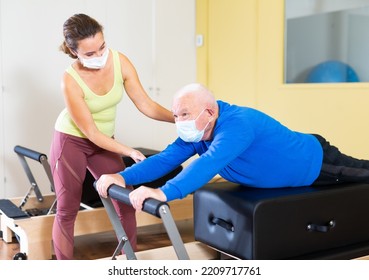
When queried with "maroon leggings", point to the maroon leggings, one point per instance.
{"points": [[70, 156]]}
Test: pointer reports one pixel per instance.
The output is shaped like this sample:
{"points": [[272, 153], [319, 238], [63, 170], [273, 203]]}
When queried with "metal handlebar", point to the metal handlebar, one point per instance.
{"points": [[29, 153], [150, 205]]}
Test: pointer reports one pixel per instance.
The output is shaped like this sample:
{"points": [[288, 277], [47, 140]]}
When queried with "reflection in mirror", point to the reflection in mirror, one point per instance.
{"points": [[326, 41]]}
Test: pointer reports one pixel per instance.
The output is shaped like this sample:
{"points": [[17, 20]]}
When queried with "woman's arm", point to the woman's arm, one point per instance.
{"points": [[80, 114], [138, 95]]}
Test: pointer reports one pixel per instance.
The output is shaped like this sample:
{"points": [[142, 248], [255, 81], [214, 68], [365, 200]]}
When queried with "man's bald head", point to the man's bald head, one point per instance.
{"points": [[196, 93]]}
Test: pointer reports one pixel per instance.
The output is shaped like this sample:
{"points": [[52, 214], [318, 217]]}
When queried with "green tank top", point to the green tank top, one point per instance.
{"points": [[102, 107]]}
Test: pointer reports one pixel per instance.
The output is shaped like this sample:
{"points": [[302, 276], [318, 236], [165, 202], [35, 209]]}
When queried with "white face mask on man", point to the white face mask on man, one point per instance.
{"points": [[97, 62], [188, 131]]}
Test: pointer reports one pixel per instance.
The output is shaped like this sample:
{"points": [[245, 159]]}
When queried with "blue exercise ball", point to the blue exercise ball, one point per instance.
{"points": [[332, 72]]}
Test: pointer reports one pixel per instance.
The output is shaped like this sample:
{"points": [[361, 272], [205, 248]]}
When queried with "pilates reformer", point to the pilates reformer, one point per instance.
{"points": [[10, 210], [239, 222]]}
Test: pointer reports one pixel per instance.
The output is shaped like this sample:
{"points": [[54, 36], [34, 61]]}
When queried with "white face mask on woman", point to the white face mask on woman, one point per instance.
{"points": [[96, 62], [188, 131]]}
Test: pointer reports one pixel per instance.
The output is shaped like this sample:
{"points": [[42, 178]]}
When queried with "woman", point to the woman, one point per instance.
{"points": [[84, 131]]}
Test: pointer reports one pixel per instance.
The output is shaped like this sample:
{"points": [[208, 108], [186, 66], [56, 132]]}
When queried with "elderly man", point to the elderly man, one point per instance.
{"points": [[241, 144]]}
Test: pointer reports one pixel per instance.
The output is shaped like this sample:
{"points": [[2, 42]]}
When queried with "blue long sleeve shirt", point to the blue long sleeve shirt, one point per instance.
{"points": [[248, 147]]}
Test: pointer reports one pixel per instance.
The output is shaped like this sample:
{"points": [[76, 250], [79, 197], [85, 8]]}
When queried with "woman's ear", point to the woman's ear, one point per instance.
{"points": [[72, 51]]}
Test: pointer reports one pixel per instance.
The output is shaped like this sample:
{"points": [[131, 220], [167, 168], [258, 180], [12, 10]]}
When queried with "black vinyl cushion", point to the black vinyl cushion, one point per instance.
{"points": [[285, 223], [11, 210]]}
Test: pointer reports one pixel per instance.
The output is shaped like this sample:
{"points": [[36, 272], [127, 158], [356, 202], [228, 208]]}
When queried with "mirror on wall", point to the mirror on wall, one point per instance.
{"points": [[326, 41]]}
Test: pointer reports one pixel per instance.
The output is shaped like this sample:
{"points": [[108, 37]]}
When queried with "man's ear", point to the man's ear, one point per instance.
{"points": [[211, 113]]}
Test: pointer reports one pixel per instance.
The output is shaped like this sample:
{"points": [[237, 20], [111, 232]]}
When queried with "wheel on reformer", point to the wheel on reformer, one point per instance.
{"points": [[20, 256]]}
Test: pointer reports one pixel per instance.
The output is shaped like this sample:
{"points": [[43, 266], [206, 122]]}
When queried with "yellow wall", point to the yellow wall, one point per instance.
{"points": [[223, 63], [242, 62]]}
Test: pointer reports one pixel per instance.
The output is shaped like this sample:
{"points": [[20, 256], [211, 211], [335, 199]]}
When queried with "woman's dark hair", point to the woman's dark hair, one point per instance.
{"points": [[76, 28]]}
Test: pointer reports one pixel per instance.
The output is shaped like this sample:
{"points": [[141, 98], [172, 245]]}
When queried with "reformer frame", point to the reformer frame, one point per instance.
{"points": [[151, 206], [22, 153]]}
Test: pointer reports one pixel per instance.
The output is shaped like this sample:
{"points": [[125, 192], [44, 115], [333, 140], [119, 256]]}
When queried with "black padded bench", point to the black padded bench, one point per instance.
{"points": [[328, 222]]}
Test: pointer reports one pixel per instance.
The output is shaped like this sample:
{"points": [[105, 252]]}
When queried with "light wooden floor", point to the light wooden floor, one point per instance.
{"points": [[102, 245]]}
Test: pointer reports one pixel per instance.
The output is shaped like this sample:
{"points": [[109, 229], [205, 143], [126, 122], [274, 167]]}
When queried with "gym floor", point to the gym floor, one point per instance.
{"points": [[102, 245]]}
